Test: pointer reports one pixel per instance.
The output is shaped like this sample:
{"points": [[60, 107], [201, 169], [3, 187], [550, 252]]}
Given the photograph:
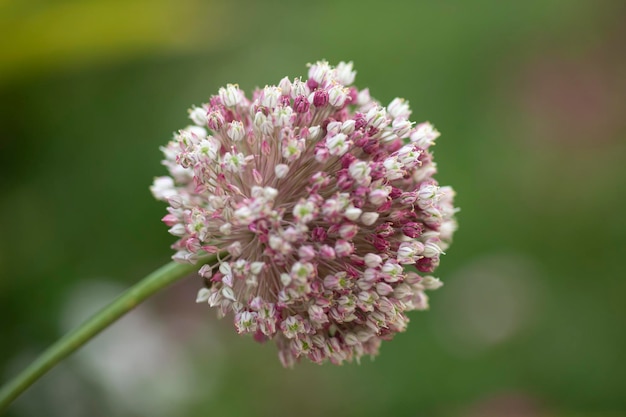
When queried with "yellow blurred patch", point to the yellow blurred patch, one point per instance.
{"points": [[40, 37]]}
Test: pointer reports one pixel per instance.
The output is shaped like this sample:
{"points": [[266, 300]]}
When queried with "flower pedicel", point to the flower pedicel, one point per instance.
{"points": [[318, 198]]}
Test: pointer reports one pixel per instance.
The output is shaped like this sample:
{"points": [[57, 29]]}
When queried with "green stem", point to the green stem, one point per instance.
{"points": [[152, 283]]}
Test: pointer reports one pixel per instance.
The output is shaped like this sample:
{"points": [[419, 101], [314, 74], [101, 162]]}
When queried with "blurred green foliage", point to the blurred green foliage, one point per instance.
{"points": [[529, 97]]}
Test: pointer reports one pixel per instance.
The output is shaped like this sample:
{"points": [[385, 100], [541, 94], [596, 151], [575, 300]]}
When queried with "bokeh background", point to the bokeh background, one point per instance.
{"points": [[530, 97]]}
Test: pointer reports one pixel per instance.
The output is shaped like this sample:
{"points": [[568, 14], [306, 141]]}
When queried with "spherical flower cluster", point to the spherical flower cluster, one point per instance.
{"points": [[316, 198]]}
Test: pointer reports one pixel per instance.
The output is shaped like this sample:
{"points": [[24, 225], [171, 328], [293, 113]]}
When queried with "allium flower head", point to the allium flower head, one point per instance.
{"points": [[317, 198]]}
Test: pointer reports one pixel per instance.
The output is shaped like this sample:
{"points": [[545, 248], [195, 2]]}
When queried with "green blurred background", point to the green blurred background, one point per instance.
{"points": [[530, 97]]}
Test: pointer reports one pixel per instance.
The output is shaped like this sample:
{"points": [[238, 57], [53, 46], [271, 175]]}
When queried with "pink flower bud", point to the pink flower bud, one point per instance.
{"points": [[301, 104], [320, 98], [215, 120], [343, 248]]}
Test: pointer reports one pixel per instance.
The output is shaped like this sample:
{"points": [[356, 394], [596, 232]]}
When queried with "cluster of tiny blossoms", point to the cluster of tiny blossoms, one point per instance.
{"points": [[316, 197]]}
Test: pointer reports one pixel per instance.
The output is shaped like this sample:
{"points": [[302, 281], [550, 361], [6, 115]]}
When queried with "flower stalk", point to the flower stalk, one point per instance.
{"points": [[69, 343]]}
